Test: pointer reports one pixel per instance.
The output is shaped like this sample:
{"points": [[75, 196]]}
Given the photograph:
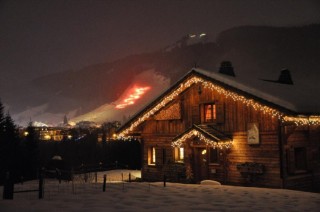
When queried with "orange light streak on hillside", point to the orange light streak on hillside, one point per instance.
{"points": [[132, 97]]}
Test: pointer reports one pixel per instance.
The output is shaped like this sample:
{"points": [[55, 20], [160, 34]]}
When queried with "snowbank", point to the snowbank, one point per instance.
{"points": [[146, 196]]}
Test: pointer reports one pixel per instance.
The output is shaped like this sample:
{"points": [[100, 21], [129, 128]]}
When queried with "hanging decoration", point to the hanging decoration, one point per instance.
{"points": [[208, 142]]}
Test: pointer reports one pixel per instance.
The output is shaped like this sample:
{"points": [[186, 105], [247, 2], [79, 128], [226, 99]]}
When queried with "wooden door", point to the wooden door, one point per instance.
{"points": [[200, 164]]}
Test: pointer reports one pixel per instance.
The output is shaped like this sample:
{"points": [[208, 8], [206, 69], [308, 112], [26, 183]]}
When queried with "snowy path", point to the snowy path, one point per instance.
{"points": [[154, 197]]}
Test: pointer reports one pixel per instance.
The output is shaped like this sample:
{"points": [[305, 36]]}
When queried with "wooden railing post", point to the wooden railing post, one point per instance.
{"points": [[104, 183], [41, 189], [8, 187]]}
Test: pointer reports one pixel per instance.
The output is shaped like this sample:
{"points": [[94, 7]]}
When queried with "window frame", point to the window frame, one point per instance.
{"points": [[152, 156], [179, 154], [213, 112]]}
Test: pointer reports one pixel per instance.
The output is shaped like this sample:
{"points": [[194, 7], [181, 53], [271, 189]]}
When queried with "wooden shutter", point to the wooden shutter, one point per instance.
{"points": [[220, 112]]}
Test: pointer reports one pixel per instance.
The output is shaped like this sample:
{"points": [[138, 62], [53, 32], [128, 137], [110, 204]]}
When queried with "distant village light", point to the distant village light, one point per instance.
{"points": [[47, 137]]}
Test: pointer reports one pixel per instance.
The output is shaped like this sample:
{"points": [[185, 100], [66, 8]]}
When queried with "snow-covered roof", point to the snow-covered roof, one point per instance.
{"points": [[299, 97]]}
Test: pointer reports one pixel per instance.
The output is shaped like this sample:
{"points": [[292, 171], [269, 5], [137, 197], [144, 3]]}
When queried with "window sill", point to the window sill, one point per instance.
{"points": [[214, 164]]}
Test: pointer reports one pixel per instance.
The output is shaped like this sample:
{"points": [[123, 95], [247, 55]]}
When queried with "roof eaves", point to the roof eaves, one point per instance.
{"points": [[204, 132], [215, 81], [152, 103], [247, 94]]}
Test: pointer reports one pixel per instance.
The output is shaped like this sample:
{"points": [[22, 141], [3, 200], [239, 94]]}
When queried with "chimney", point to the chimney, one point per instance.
{"points": [[285, 77], [226, 68]]}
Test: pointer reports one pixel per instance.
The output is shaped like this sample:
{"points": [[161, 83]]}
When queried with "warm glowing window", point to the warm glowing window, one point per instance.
{"points": [[179, 154], [209, 112], [152, 156]]}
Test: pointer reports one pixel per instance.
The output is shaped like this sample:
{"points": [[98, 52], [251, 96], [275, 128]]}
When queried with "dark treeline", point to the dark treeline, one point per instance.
{"points": [[18, 156], [22, 156], [90, 154]]}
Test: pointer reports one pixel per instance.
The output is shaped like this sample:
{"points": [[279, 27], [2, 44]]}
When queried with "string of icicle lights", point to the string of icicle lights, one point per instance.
{"points": [[303, 120], [208, 142], [244, 100], [312, 120], [164, 102]]}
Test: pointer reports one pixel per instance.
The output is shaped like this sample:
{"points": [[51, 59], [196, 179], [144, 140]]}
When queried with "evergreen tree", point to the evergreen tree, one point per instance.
{"points": [[11, 139], [1, 116], [32, 152], [2, 144], [9, 145]]}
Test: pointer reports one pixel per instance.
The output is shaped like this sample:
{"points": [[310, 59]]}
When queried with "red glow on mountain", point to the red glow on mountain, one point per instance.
{"points": [[132, 96]]}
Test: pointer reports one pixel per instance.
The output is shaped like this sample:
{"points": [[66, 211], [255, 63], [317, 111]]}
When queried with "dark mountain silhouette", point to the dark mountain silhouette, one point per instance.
{"points": [[253, 50]]}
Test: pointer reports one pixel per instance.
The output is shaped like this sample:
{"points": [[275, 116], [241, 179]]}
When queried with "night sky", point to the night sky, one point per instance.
{"points": [[38, 37]]}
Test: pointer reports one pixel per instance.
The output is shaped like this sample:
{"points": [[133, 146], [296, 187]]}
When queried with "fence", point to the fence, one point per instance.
{"points": [[55, 184]]}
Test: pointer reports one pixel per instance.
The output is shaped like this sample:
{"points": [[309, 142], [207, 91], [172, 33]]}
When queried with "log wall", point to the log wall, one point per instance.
{"points": [[233, 118]]}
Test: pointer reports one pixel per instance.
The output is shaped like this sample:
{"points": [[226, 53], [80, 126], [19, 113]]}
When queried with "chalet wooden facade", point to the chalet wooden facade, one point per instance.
{"points": [[209, 126]]}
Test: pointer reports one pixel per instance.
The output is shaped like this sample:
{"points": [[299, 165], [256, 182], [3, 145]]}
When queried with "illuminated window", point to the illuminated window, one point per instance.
{"points": [[179, 154], [214, 157], [209, 112], [152, 156]]}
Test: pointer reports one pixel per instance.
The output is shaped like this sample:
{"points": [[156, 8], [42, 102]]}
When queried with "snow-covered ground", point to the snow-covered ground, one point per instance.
{"points": [[144, 196]]}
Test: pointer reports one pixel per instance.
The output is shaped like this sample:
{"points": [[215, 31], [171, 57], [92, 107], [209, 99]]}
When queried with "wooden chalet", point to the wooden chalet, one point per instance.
{"points": [[209, 125]]}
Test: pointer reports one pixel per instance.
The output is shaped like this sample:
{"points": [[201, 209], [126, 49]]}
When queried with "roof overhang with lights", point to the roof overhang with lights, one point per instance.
{"points": [[194, 77], [212, 138]]}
